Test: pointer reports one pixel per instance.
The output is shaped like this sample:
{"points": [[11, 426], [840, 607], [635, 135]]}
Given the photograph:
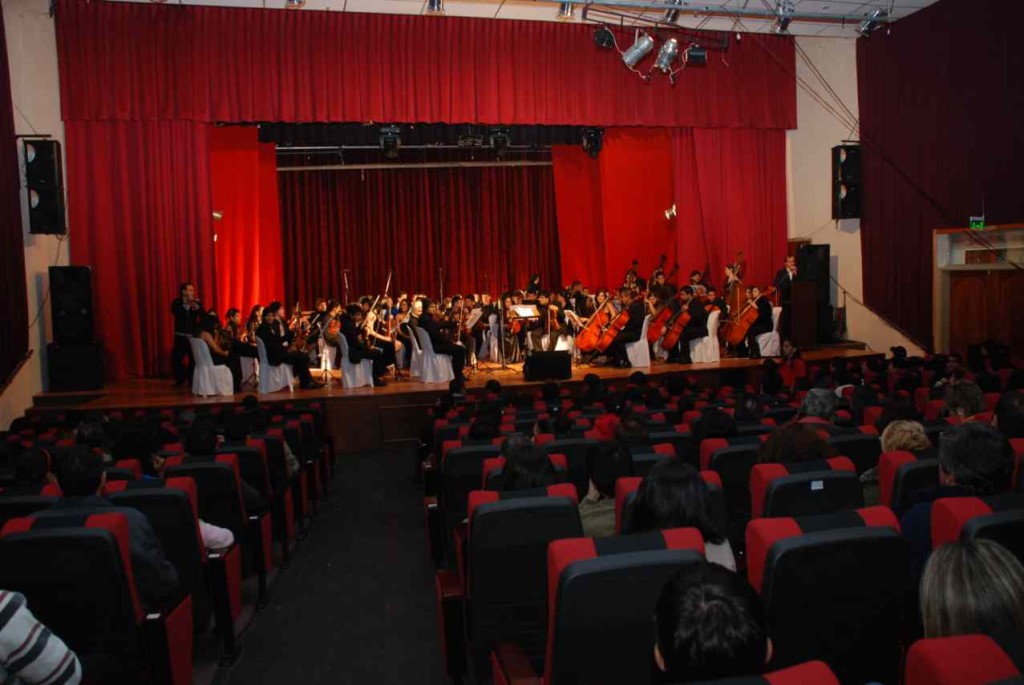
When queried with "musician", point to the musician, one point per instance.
{"points": [[696, 327], [276, 342], [457, 317], [715, 300], [318, 320], [188, 314], [430, 322], [731, 278], [577, 300], [235, 334], [483, 324], [253, 322], [332, 332], [403, 333], [376, 338], [533, 289], [551, 323], [697, 280], [763, 323], [221, 354], [784, 278], [637, 309], [358, 350]]}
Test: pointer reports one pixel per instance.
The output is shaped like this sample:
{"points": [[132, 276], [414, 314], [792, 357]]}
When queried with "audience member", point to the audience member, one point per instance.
{"points": [[709, 624], [673, 495], [974, 461], [32, 470], [201, 447], [963, 400], [899, 408], [81, 477], [791, 367], [793, 443], [607, 463], [972, 586], [748, 411], [772, 382], [1009, 415], [29, 652], [907, 436], [92, 435], [526, 466]]}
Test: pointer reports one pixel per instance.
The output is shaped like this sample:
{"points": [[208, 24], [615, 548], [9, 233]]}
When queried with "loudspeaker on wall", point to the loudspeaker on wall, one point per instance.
{"points": [[44, 183]]}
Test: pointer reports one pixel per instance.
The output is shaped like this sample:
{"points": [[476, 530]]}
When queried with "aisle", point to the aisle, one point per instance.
{"points": [[357, 603]]}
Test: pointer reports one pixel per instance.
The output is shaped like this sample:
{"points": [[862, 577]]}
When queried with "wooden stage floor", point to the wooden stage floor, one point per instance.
{"points": [[369, 418]]}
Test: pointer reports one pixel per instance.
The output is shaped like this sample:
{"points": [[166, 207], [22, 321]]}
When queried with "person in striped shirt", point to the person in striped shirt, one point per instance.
{"points": [[29, 652]]}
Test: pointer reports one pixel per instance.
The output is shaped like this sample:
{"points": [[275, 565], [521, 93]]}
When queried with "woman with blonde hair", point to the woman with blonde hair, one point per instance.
{"points": [[906, 436], [972, 586]]}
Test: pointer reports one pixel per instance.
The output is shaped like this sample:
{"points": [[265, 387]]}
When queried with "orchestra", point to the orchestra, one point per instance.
{"points": [[595, 324]]}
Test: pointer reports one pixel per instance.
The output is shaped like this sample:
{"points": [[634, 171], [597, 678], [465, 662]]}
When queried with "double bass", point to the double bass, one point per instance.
{"points": [[739, 329]]}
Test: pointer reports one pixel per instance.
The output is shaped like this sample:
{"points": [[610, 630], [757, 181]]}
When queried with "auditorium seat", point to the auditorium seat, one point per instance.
{"points": [[966, 660], [862, 448], [810, 673], [461, 472], [644, 457], [836, 587], [900, 475], [999, 518], [83, 562], [576, 451], [601, 597], [804, 488], [733, 464], [494, 470], [625, 493], [18, 502], [500, 589]]}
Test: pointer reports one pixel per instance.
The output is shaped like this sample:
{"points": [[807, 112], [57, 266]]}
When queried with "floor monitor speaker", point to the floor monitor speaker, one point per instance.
{"points": [[548, 366]]}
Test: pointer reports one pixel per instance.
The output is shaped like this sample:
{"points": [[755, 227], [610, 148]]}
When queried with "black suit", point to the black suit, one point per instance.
{"points": [[277, 353], [186, 325], [695, 329], [630, 333], [784, 284], [358, 350], [441, 344]]}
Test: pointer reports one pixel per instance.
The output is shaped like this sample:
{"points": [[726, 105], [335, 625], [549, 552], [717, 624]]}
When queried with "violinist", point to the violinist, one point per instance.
{"points": [[696, 327], [430, 322], [484, 322], [375, 338], [252, 323], [332, 332], [637, 309], [351, 321], [220, 353], [762, 325], [716, 301], [236, 335], [318, 320], [457, 316], [276, 343]]}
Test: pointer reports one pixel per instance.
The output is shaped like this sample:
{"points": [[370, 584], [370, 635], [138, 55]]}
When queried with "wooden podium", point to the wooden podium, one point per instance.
{"points": [[803, 314]]}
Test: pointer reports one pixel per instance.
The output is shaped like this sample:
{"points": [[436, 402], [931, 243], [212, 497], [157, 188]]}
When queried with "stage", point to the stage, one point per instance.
{"points": [[372, 418]]}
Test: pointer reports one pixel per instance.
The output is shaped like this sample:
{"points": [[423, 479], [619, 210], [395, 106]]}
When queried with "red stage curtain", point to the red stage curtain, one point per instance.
{"points": [[14, 310], [151, 61], [940, 105], [139, 208], [578, 195], [636, 189], [489, 228], [730, 193], [243, 174]]}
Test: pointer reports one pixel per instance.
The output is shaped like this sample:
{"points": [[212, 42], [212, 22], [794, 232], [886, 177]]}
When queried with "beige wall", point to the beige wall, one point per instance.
{"points": [[32, 51], [810, 193]]}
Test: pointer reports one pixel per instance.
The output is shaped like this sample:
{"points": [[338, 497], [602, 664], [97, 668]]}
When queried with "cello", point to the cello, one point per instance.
{"points": [[674, 328], [659, 321], [587, 339], [738, 331]]}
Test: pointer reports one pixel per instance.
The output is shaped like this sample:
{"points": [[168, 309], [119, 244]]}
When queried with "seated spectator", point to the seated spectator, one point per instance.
{"points": [[819, 409], [609, 462], [32, 470], [673, 495], [29, 653], [1009, 415], [793, 443], [201, 447], [526, 466], [713, 423], [963, 400], [558, 425], [899, 408], [974, 461], [907, 436], [749, 410], [791, 367], [677, 385], [863, 396], [772, 382], [632, 430], [81, 478], [92, 435], [653, 399], [972, 586], [709, 624]]}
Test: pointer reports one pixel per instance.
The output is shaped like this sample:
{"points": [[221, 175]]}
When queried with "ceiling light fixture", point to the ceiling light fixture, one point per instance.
{"points": [[641, 47], [593, 139], [390, 141], [873, 21], [671, 15], [565, 10], [783, 15], [435, 7], [291, 4], [696, 56], [667, 55]]}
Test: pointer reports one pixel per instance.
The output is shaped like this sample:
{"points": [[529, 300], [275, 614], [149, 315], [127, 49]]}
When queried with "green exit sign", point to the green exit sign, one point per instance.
{"points": [[977, 222]]}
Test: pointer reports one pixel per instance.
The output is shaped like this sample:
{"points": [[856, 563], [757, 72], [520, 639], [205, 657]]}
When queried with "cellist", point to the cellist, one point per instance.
{"points": [[762, 325], [637, 308], [696, 327]]}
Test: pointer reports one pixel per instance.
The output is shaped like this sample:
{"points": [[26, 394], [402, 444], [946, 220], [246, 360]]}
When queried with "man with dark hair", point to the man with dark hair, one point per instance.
{"points": [[276, 344], [696, 327], [1009, 415], [710, 625], [975, 460], [429, 322], [358, 349], [606, 463], [187, 312], [31, 471], [636, 308], [81, 478], [964, 399]]}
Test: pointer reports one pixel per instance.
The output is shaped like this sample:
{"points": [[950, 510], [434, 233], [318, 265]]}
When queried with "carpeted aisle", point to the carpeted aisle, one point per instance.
{"points": [[357, 603]]}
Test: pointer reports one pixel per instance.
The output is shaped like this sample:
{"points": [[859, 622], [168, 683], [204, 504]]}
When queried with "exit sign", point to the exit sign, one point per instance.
{"points": [[977, 222]]}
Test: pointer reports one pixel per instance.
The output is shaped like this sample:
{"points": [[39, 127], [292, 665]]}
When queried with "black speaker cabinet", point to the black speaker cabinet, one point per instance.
{"points": [[548, 366], [75, 367], [71, 304], [45, 187], [846, 182]]}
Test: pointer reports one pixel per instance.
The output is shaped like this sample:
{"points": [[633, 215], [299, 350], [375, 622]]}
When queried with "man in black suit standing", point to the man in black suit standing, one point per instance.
{"points": [[188, 313], [784, 278], [277, 346], [429, 322]]}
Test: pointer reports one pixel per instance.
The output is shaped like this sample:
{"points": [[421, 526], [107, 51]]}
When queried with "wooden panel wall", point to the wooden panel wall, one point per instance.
{"points": [[986, 305]]}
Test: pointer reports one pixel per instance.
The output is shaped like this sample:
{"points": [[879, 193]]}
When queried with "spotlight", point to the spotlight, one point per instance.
{"points": [[500, 140], [641, 47], [593, 139], [604, 38], [290, 4], [667, 55], [783, 15], [390, 141], [565, 10], [672, 14], [218, 215], [696, 56], [435, 7], [670, 213], [872, 22]]}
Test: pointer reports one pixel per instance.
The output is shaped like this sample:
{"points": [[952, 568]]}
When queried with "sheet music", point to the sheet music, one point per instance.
{"points": [[473, 317], [526, 311]]}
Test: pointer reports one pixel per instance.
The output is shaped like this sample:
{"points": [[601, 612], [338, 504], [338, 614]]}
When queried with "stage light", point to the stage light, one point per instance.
{"points": [[565, 10], [696, 56], [218, 215], [667, 55], [783, 15], [294, 4], [390, 141], [671, 213], [604, 38], [435, 7], [872, 22], [672, 15], [500, 140], [641, 47], [593, 139]]}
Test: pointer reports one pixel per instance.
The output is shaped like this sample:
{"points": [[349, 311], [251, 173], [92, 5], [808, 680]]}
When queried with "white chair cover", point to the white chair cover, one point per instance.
{"points": [[436, 367], [705, 350], [354, 375], [416, 360], [770, 344], [250, 371], [639, 352], [489, 348], [207, 378], [272, 378]]}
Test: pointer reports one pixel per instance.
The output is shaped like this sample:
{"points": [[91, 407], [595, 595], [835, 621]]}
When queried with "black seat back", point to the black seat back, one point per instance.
{"points": [[220, 502], [910, 478], [863, 450], [461, 472], [576, 451]]}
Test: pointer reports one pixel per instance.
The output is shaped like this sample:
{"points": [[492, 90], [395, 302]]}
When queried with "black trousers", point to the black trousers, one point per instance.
{"points": [[382, 354], [756, 330], [538, 334], [243, 349], [681, 352], [456, 352], [234, 364], [299, 362], [617, 350], [181, 357]]}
